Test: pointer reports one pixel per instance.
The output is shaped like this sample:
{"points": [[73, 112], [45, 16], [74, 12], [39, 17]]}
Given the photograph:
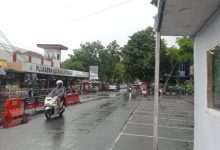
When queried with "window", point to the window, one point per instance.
{"points": [[58, 57], [182, 67], [213, 62], [53, 56]]}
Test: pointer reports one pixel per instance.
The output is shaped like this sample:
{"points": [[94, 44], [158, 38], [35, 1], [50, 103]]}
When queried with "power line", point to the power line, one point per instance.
{"points": [[5, 38], [100, 11]]}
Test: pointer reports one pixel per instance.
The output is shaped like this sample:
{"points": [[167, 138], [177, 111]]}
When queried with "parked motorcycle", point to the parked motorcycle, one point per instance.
{"points": [[51, 106]]}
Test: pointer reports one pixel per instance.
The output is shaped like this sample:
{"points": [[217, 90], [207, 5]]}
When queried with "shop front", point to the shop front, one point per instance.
{"points": [[41, 78]]}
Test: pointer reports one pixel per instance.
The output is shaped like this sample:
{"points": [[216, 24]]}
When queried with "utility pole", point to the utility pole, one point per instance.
{"points": [[156, 81], [156, 90]]}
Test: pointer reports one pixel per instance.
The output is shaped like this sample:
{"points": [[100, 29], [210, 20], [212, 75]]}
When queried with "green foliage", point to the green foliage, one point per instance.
{"points": [[119, 72], [182, 54], [85, 56], [108, 59], [154, 2], [189, 87], [179, 55], [139, 54]]}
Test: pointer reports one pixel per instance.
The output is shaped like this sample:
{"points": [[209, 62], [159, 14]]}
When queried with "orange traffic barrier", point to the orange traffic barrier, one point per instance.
{"points": [[72, 98], [69, 99], [76, 98], [13, 108]]}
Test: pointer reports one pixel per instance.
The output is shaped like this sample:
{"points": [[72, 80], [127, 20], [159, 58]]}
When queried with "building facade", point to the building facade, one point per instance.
{"points": [[201, 21], [27, 69]]}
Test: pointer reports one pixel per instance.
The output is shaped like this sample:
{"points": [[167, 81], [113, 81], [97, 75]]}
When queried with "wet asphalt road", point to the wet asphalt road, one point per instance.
{"points": [[92, 125], [113, 123]]}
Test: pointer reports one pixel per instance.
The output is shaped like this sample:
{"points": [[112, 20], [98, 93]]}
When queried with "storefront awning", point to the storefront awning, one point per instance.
{"points": [[184, 17], [42, 69]]}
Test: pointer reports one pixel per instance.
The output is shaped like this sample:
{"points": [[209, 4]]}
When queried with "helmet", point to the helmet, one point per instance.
{"points": [[59, 82]]}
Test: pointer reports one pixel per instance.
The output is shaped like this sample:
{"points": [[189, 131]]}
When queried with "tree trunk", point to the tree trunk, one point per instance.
{"points": [[167, 80]]}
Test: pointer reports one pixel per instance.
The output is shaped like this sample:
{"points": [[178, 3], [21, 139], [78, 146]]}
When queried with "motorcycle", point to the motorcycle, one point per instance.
{"points": [[51, 106]]}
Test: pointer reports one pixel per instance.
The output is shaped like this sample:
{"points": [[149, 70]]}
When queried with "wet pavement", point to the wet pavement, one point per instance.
{"points": [[176, 126], [106, 123], [91, 126]]}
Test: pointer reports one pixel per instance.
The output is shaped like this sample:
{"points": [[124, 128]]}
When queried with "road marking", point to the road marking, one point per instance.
{"points": [[146, 124], [149, 136], [163, 118], [189, 141], [137, 135], [163, 113], [119, 135], [116, 140]]}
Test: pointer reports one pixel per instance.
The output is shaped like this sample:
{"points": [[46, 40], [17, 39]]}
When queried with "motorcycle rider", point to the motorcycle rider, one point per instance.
{"points": [[59, 91]]}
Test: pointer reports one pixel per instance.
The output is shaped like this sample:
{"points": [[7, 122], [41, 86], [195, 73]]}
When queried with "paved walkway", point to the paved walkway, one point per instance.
{"points": [[176, 126]]}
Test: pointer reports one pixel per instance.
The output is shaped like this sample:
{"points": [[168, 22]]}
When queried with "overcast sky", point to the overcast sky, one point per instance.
{"points": [[72, 22]]}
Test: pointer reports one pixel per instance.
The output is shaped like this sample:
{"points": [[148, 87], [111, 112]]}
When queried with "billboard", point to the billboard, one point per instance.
{"points": [[93, 73]]}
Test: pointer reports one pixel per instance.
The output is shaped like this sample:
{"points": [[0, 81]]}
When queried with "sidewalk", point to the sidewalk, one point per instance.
{"points": [[175, 125]]}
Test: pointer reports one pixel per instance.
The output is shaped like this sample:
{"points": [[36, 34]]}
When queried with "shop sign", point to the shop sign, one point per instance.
{"points": [[44, 69], [93, 73], [60, 71], [35, 68]]}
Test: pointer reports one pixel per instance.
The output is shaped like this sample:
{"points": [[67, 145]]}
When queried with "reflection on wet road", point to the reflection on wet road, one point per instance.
{"points": [[89, 126]]}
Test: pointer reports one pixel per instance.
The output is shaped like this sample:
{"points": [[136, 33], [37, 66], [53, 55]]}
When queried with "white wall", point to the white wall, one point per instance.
{"points": [[53, 52], [35, 60], [23, 58], [47, 63], [6, 55], [207, 122], [56, 63]]}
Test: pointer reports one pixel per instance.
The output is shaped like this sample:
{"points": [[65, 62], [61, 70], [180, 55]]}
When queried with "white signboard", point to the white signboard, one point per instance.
{"points": [[42, 69], [93, 73], [2, 71]]}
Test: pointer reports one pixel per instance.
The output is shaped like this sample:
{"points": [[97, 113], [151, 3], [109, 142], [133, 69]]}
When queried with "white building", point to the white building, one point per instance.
{"points": [[199, 19], [22, 67], [53, 52]]}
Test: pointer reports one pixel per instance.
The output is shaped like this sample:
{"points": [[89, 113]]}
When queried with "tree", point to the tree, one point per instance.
{"points": [[139, 55], [119, 72], [95, 54], [85, 56], [109, 57], [154, 2], [179, 55], [70, 64]]}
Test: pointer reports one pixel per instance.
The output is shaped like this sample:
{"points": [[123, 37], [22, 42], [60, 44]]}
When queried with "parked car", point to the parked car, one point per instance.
{"points": [[112, 88], [123, 86]]}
